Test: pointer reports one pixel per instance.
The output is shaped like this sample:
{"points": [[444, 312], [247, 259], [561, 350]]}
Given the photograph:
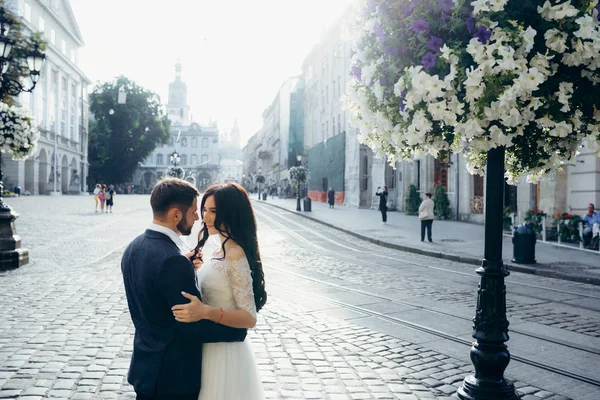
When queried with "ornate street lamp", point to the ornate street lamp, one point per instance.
{"points": [[11, 253], [175, 158]]}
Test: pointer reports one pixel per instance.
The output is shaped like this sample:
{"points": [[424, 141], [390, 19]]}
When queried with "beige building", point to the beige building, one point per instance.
{"points": [[59, 105]]}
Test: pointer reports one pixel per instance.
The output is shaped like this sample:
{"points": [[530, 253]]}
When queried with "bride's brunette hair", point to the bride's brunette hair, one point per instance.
{"points": [[235, 220]]}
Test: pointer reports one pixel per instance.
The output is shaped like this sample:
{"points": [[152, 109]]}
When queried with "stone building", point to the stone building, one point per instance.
{"points": [[197, 145], [59, 105]]}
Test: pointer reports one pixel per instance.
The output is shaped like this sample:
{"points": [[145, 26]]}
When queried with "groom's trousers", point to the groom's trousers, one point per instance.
{"points": [[187, 397]]}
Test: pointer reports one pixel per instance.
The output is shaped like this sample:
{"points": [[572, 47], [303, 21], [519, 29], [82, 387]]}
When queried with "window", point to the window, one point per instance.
{"points": [[41, 24], [63, 107], [27, 11], [333, 127], [52, 101], [159, 159], [477, 185], [339, 123], [204, 159], [194, 159], [418, 167], [40, 101], [52, 36], [184, 142], [74, 113], [440, 173], [204, 142], [184, 159], [194, 142], [339, 84], [63, 47]]}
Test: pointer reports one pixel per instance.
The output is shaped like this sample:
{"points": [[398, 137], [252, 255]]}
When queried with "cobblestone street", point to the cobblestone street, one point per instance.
{"points": [[342, 320]]}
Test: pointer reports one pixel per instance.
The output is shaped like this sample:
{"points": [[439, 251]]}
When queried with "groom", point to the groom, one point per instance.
{"points": [[167, 355]]}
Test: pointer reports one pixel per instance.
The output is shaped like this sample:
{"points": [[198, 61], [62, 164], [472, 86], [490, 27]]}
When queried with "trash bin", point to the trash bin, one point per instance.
{"points": [[307, 204], [524, 239]]}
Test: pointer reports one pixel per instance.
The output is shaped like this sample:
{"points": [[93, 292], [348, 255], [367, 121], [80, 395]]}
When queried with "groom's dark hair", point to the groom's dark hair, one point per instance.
{"points": [[172, 192]]}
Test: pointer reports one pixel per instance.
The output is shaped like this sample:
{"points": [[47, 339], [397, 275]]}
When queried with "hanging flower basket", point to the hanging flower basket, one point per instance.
{"points": [[440, 76], [19, 136]]}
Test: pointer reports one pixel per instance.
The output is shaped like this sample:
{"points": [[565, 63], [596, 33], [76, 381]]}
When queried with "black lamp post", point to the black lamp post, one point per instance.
{"points": [[175, 158], [11, 253], [489, 352], [257, 180], [299, 159]]}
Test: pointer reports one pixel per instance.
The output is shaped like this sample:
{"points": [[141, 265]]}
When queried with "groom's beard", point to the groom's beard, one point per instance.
{"points": [[184, 228]]}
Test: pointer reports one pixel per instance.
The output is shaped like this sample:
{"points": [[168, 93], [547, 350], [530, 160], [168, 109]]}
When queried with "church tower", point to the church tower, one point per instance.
{"points": [[177, 107], [235, 134]]}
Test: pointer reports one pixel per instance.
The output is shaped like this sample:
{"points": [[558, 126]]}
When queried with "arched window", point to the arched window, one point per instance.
{"points": [[159, 159], [184, 142], [194, 142], [204, 159], [194, 159], [184, 159], [204, 142]]}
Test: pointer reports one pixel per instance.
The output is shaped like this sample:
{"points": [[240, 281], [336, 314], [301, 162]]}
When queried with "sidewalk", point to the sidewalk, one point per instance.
{"points": [[452, 240]]}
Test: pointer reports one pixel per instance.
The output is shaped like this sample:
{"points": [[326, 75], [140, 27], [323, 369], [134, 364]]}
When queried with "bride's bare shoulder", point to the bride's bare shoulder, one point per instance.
{"points": [[235, 253]]}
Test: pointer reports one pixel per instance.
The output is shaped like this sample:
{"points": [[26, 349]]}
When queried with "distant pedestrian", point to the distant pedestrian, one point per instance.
{"points": [[383, 195], [96, 192], [426, 216], [331, 197], [102, 197], [110, 198]]}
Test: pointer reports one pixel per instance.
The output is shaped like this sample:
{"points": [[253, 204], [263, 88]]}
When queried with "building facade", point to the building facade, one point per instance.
{"points": [[59, 105], [196, 145], [230, 156]]}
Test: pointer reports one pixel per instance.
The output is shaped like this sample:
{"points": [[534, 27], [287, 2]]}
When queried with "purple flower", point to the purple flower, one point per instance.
{"points": [[371, 4], [444, 17], [470, 24], [408, 10], [383, 80], [393, 51], [598, 9], [356, 72], [447, 5], [379, 32], [429, 60], [483, 34], [402, 95], [420, 26], [435, 43]]}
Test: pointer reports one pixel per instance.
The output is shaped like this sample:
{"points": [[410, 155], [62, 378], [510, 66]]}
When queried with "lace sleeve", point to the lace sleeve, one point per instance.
{"points": [[241, 284]]}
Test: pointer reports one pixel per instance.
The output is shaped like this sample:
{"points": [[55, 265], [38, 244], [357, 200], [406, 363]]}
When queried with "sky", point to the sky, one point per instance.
{"points": [[235, 54]]}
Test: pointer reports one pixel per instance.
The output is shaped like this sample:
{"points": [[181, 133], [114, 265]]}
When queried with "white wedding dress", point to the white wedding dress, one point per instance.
{"points": [[229, 370]]}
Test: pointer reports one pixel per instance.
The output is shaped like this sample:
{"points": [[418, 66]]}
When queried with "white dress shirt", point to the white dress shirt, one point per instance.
{"points": [[172, 235]]}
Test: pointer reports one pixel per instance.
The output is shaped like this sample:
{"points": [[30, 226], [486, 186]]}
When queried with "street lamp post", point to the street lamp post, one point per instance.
{"points": [[11, 253], [175, 158], [298, 199], [489, 352]]}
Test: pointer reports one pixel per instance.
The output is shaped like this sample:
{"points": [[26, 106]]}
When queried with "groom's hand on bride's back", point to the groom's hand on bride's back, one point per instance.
{"points": [[193, 311]]}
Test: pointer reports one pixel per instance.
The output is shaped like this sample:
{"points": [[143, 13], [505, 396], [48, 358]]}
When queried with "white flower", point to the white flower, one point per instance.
{"points": [[480, 6], [557, 12], [556, 40], [528, 38], [586, 27], [497, 5], [437, 110], [532, 79], [445, 50], [564, 94], [499, 137], [512, 119], [561, 129]]}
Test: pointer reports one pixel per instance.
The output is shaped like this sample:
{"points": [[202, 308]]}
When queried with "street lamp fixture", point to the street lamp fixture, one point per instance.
{"points": [[35, 61], [175, 158]]}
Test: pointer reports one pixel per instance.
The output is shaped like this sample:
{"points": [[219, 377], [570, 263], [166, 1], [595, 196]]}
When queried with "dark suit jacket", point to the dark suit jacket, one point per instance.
{"points": [[167, 355]]}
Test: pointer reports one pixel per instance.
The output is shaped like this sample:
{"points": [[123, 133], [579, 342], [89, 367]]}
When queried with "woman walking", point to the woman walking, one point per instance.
{"points": [[331, 197], [383, 195], [96, 191], [102, 197], [426, 216]]}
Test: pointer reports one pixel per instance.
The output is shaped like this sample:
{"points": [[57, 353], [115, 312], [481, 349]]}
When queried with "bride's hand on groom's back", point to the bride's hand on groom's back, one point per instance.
{"points": [[193, 311]]}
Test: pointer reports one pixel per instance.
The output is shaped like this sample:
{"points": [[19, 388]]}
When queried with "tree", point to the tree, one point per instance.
{"points": [[413, 201], [123, 135], [442, 203]]}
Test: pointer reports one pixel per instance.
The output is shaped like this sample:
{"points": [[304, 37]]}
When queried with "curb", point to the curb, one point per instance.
{"points": [[592, 280]]}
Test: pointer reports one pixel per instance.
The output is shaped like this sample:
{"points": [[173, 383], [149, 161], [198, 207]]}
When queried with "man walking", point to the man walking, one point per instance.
{"points": [[167, 355]]}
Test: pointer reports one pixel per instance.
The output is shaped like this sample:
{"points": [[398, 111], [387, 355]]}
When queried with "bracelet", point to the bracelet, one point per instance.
{"points": [[221, 317]]}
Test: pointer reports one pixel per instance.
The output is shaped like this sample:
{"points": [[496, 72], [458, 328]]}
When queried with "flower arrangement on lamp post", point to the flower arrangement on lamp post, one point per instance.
{"points": [[511, 84], [298, 176]]}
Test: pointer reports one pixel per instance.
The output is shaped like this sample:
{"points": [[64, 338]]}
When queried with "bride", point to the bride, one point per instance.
{"points": [[232, 286]]}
